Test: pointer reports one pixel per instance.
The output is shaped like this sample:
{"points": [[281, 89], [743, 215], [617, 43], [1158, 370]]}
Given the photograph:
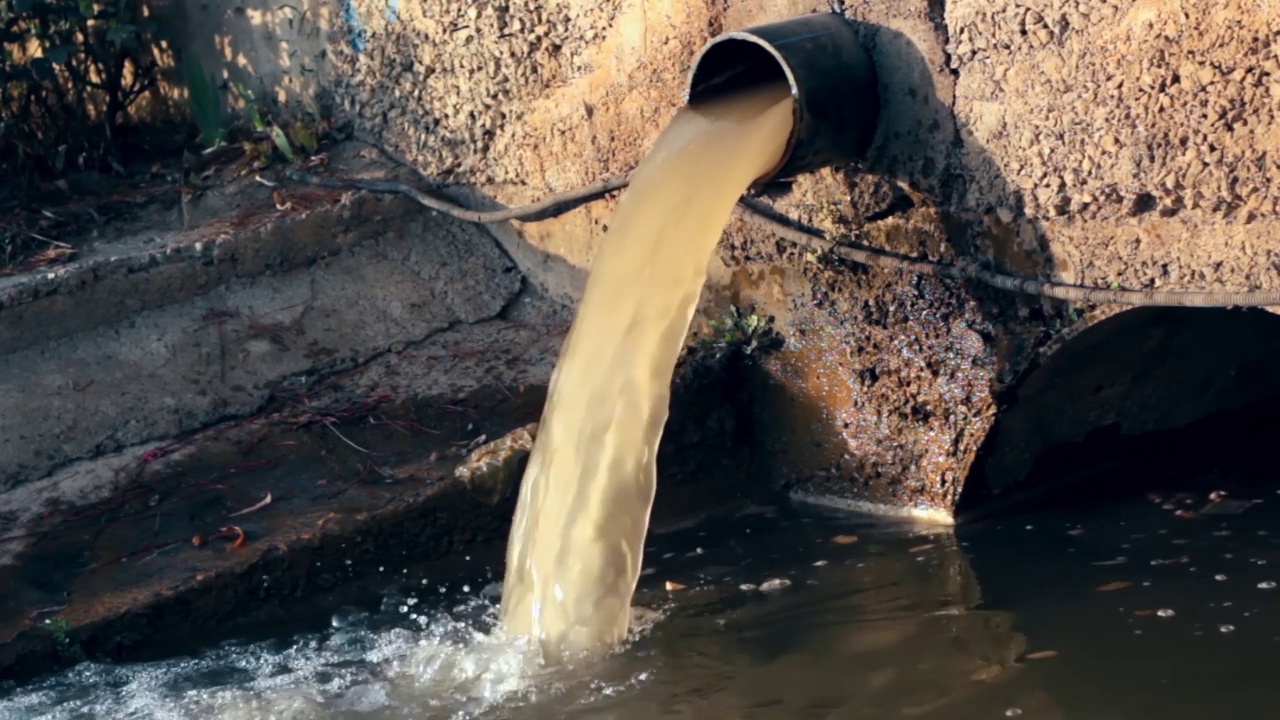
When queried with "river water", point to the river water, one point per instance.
{"points": [[1128, 610]]}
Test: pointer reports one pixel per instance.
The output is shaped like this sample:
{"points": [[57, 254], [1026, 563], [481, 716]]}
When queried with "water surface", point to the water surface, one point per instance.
{"points": [[1126, 610]]}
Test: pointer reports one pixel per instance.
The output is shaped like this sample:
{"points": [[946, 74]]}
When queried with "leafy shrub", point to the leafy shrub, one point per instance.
{"points": [[71, 70]]}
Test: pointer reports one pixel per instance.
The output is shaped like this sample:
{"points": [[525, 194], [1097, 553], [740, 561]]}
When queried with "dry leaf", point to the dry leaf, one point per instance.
{"points": [[1117, 585], [672, 585], [1042, 655], [257, 506], [232, 531], [844, 539]]}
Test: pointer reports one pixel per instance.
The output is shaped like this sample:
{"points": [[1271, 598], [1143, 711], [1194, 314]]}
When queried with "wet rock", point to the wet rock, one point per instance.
{"points": [[494, 469]]}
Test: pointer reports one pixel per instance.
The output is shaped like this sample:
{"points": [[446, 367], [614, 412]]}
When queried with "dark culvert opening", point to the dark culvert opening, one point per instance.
{"points": [[1151, 398]]}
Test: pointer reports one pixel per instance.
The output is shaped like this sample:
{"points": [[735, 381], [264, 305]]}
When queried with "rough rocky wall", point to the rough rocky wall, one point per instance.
{"points": [[1095, 142], [1141, 137]]}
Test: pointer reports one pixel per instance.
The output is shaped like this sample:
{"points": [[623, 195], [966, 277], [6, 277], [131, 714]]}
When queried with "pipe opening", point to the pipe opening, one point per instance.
{"points": [[735, 64], [832, 79]]}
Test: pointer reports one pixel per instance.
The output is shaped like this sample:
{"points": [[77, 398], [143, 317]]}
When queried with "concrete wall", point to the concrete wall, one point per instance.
{"points": [[1096, 142]]}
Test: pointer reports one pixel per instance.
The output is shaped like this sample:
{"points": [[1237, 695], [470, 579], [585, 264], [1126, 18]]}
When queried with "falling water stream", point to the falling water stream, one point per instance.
{"points": [[577, 541]]}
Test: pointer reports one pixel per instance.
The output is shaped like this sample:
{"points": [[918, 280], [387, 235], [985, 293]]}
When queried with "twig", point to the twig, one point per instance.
{"points": [[345, 440]]}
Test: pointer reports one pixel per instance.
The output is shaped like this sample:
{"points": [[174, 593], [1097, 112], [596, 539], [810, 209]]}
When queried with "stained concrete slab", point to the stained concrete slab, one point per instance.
{"points": [[153, 341]]}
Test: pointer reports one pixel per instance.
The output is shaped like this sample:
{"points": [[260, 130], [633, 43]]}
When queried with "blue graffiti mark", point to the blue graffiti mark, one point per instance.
{"points": [[356, 33], [393, 10]]}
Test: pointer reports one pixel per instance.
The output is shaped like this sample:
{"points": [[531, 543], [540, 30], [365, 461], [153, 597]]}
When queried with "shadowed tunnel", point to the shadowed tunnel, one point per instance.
{"points": [[1149, 397]]}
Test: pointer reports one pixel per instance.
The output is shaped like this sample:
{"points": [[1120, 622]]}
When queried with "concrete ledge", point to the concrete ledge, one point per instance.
{"points": [[141, 341]]}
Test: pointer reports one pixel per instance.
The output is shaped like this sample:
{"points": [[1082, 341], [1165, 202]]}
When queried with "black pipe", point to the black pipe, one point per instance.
{"points": [[831, 75]]}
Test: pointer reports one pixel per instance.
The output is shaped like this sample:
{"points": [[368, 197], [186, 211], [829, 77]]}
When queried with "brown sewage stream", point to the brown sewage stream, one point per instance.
{"points": [[577, 541]]}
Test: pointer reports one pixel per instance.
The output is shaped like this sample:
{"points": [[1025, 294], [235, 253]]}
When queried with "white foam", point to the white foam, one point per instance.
{"points": [[456, 664]]}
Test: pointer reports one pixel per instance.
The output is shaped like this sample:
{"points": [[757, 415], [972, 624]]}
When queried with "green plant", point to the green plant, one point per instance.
{"points": [[206, 106], [68, 649], [749, 333], [300, 135]]}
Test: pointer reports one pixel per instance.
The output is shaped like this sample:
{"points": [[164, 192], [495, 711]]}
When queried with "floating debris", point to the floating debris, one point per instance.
{"points": [[819, 563], [1227, 507], [774, 584], [748, 587], [844, 539], [921, 548], [1165, 612], [1042, 655], [1118, 561], [672, 586], [1266, 585], [1112, 586], [1219, 577], [1226, 628]]}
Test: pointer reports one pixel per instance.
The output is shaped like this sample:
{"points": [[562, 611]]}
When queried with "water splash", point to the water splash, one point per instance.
{"points": [[396, 663]]}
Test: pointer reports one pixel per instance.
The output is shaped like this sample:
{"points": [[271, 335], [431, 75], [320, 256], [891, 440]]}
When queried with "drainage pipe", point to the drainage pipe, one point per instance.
{"points": [[832, 79]]}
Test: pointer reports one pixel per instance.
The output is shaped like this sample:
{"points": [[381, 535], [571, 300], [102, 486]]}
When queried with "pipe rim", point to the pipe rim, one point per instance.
{"points": [[797, 112]]}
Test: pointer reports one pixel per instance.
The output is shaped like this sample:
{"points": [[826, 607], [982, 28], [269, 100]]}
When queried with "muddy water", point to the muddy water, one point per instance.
{"points": [[1125, 611], [576, 544]]}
